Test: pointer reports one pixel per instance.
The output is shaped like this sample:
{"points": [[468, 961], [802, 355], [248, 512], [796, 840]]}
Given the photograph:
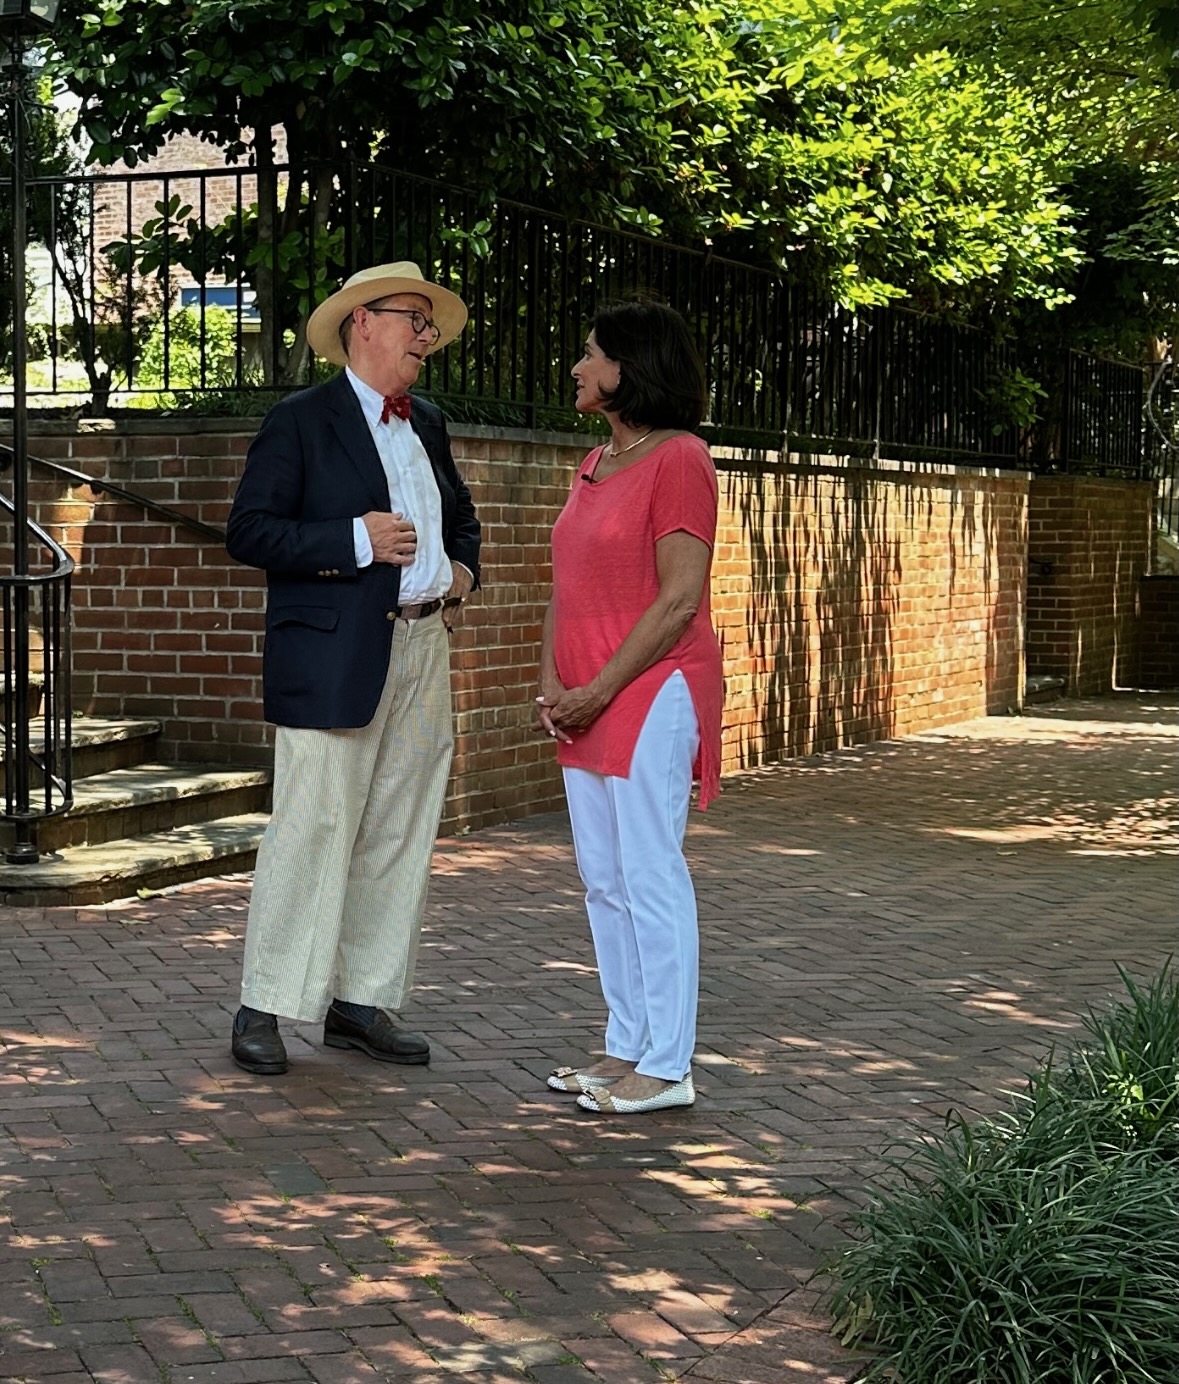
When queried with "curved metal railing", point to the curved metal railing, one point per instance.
{"points": [[36, 770], [38, 779]]}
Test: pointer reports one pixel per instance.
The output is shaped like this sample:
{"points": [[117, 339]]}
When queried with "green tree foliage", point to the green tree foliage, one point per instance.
{"points": [[1099, 80], [561, 106], [886, 174], [93, 322], [970, 157]]}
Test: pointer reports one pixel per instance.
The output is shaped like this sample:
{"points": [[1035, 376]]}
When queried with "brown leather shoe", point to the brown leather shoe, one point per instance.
{"points": [[257, 1045], [381, 1039]]}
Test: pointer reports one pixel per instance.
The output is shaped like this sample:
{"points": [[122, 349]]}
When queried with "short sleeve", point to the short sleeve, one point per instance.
{"points": [[684, 497]]}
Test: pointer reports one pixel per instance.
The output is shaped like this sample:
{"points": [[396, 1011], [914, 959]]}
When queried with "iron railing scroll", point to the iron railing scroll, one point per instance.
{"points": [[1162, 435]]}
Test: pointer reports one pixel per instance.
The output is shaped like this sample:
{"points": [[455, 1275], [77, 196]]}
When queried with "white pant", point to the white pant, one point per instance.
{"points": [[629, 835], [340, 884]]}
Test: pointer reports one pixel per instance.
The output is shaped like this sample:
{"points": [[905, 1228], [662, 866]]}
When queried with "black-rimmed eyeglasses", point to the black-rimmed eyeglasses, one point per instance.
{"points": [[417, 320]]}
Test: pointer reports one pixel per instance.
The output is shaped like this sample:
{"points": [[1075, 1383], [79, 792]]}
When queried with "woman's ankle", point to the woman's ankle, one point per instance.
{"points": [[608, 1066]]}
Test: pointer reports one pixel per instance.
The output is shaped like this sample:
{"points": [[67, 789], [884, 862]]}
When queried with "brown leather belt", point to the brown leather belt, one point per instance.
{"points": [[419, 611]]}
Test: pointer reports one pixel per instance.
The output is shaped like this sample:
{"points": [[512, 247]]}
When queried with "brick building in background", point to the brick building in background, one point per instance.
{"points": [[128, 199]]}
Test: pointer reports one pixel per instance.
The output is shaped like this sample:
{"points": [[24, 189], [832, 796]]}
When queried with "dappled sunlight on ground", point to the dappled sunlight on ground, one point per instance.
{"points": [[888, 934], [36, 1040]]}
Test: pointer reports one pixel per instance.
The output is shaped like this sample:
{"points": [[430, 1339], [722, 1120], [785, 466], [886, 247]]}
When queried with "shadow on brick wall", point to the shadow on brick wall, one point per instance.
{"points": [[858, 603]]}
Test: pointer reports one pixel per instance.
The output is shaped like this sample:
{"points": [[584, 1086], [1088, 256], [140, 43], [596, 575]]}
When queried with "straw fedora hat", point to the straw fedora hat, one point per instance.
{"points": [[369, 285]]}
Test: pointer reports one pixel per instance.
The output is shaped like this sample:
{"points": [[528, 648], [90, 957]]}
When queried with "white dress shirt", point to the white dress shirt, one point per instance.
{"points": [[413, 493]]}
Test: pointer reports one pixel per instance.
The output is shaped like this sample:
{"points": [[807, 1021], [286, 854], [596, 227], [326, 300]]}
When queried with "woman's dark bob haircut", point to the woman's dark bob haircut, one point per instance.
{"points": [[661, 376]]}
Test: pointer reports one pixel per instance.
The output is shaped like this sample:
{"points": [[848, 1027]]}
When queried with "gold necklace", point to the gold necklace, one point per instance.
{"points": [[617, 452]]}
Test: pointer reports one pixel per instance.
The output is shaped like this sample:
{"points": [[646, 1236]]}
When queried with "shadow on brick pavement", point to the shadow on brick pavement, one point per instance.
{"points": [[889, 933]]}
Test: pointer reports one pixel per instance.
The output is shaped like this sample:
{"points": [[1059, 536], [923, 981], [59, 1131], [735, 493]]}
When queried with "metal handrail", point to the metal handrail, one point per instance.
{"points": [[100, 485], [53, 760]]}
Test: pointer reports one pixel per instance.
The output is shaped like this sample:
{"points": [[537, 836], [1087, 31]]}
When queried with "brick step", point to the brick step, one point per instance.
{"points": [[117, 869], [149, 798], [99, 744], [1042, 687]]}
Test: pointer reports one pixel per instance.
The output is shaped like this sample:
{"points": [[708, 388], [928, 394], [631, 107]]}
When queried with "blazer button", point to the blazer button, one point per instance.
{"points": [[335, 571], [391, 615]]}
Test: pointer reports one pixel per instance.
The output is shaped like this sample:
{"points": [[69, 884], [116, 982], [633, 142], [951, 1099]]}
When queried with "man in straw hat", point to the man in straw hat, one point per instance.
{"points": [[351, 504]]}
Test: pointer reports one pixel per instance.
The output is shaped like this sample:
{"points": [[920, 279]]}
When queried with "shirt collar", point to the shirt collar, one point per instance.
{"points": [[370, 401]]}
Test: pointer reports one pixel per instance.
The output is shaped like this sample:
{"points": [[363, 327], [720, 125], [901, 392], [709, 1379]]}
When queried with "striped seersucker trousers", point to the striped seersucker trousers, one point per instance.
{"points": [[340, 883]]}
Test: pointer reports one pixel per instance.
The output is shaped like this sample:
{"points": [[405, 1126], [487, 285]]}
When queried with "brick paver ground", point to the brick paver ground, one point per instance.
{"points": [[889, 932]]}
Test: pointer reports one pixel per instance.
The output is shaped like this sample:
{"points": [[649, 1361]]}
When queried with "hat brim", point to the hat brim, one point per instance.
{"points": [[323, 326]]}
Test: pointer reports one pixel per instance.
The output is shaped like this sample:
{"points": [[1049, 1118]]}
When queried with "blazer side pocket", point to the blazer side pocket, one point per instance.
{"points": [[313, 617]]}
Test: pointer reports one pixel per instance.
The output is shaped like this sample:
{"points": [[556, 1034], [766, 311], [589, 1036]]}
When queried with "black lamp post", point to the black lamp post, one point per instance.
{"points": [[19, 21]]}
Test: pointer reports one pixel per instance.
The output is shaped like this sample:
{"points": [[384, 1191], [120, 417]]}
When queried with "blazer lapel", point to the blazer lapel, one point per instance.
{"points": [[356, 440]]}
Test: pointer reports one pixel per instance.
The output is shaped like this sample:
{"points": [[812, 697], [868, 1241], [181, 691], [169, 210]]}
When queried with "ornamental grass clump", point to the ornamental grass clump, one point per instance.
{"points": [[1040, 1246], [1129, 1068]]}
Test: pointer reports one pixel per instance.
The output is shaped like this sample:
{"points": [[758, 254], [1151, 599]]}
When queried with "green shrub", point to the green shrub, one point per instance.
{"points": [[1041, 1246], [38, 340], [173, 360], [225, 403]]}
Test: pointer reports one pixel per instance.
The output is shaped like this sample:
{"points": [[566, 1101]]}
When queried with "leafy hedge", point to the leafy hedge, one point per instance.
{"points": [[1041, 1246]]}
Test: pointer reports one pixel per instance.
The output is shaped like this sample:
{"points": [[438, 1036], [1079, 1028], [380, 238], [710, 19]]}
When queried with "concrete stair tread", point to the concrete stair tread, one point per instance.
{"points": [[147, 783], [135, 857], [98, 730]]}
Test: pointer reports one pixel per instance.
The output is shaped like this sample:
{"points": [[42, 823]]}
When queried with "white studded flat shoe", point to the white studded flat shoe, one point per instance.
{"points": [[572, 1080], [601, 1102]]}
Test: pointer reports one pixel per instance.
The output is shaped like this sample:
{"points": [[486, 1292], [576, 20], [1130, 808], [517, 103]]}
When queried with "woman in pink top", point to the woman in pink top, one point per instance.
{"points": [[630, 688]]}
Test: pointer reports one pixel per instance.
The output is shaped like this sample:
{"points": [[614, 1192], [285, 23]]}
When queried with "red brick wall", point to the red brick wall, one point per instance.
{"points": [[857, 602], [1089, 544], [854, 602], [1158, 632]]}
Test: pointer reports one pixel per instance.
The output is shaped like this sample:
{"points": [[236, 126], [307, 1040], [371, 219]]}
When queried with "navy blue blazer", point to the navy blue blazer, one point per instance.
{"points": [[311, 470]]}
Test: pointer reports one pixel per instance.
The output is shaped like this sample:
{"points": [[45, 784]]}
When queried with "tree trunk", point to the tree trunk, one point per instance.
{"points": [[84, 338], [311, 218]]}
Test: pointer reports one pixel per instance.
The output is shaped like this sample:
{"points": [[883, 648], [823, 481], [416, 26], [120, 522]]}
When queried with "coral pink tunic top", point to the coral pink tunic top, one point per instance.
{"points": [[604, 578]]}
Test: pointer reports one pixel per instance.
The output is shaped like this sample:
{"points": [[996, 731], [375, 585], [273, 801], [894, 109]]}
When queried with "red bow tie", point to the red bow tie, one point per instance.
{"points": [[395, 404]]}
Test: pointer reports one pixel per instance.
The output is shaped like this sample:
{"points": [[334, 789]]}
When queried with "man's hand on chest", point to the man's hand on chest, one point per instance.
{"points": [[393, 538]]}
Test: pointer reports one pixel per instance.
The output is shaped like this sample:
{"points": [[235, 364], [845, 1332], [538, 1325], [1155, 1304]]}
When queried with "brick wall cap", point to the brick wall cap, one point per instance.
{"points": [[149, 425], [194, 425]]}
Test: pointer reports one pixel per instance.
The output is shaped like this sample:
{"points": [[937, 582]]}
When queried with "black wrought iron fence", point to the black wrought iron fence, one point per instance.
{"points": [[1104, 423], [173, 283]]}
